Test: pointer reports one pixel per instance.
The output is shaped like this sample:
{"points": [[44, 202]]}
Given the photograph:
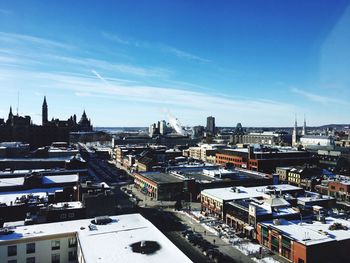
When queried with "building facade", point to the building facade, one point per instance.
{"points": [[211, 125]]}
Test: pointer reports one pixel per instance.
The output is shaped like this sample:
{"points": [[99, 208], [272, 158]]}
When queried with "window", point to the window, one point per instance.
{"points": [[72, 242], [71, 215], [30, 248], [12, 251], [72, 255], [55, 244], [55, 258], [12, 261], [30, 260], [63, 216]]}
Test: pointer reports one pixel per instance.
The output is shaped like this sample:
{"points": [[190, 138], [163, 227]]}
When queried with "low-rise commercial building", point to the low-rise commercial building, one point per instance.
{"points": [[304, 176], [308, 241], [264, 159], [282, 173], [338, 187], [160, 186], [213, 200], [244, 214]]}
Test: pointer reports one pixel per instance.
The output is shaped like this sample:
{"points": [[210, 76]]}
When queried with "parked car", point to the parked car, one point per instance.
{"points": [[187, 231]]}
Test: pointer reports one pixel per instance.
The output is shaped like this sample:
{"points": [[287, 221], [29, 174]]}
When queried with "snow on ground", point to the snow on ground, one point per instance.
{"points": [[266, 260], [246, 247]]}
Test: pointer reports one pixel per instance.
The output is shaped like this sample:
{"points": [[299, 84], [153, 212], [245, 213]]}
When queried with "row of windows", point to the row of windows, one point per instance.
{"points": [[341, 189], [293, 180], [28, 260], [231, 159], [211, 201], [294, 175], [30, 247], [55, 258], [64, 216]]}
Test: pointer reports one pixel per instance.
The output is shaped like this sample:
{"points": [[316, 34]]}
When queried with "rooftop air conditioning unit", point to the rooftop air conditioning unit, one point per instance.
{"points": [[276, 222]]}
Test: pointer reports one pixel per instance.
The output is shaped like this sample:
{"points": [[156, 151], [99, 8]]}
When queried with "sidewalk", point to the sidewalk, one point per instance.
{"points": [[223, 247], [240, 250]]}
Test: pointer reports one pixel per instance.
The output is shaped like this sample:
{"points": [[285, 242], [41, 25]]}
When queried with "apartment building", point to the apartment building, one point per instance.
{"points": [[124, 238]]}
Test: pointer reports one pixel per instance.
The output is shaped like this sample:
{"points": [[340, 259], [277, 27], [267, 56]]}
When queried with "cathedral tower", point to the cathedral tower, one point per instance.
{"points": [[44, 112], [295, 133], [304, 127]]}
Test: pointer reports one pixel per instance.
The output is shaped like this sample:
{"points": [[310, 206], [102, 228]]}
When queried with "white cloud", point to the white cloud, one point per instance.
{"points": [[162, 47], [316, 97], [116, 38], [182, 54], [164, 97], [43, 42]]}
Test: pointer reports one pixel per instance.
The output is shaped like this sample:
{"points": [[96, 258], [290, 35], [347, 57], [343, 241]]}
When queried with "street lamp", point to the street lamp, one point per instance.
{"points": [[75, 188]]}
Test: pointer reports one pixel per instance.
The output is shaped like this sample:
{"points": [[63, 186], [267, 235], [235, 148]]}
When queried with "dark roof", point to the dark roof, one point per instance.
{"points": [[161, 178]]}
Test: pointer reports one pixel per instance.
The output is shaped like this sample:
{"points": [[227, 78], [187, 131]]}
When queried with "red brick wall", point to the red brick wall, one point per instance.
{"points": [[337, 186], [298, 251]]}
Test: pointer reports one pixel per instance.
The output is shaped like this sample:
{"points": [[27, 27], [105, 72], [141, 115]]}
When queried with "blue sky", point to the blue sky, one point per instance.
{"points": [[127, 63]]}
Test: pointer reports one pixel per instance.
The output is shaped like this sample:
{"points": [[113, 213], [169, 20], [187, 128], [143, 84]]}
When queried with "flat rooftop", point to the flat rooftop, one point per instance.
{"points": [[8, 197], [262, 151], [311, 233], [161, 178], [49, 159], [241, 192], [18, 173], [107, 243], [66, 205], [313, 197], [49, 179], [198, 176]]}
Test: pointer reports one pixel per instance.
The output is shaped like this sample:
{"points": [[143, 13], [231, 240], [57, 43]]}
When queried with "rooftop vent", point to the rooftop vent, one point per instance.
{"points": [[101, 220], [235, 190], [145, 247], [338, 226], [92, 227], [5, 231], [276, 222]]}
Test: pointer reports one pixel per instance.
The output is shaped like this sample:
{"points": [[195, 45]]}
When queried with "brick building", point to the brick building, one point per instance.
{"points": [[264, 159], [160, 186], [213, 201], [307, 242], [338, 188]]}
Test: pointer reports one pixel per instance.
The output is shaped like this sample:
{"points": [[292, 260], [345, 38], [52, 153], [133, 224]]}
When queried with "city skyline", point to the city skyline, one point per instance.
{"points": [[258, 63]]}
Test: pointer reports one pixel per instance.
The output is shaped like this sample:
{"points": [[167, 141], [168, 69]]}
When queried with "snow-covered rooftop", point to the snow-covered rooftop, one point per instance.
{"points": [[241, 192], [312, 197], [67, 205], [60, 150], [8, 197], [7, 182], [314, 232], [59, 179], [107, 243], [49, 179]]}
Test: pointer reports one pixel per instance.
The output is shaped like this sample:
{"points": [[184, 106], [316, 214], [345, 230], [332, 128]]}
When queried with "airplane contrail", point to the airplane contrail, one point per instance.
{"points": [[101, 78]]}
